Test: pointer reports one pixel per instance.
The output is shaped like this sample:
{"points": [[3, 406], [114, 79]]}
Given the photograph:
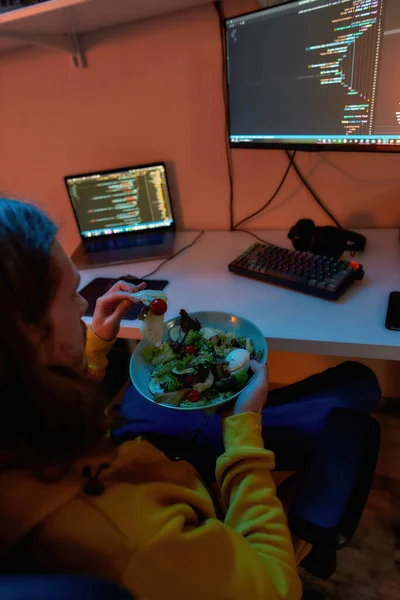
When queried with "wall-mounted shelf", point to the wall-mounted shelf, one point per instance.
{"points": [[59, 23]]}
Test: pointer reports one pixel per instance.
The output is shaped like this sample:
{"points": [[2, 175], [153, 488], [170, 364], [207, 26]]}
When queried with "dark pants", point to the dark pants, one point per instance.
{"points": [[293, 418]]}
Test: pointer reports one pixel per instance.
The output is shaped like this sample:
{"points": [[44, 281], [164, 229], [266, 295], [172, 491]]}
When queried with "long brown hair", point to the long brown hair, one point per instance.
{"points": [[52, 414]]}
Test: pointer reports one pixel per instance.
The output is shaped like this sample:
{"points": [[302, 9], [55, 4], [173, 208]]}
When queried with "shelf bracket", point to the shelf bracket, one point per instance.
{"points": [[78, 55], [70, 43]]}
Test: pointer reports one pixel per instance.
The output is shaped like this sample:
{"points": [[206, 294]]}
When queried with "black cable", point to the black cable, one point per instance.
{"points": [[314, 194], [219, 9], [274, 195], [173, 256]]}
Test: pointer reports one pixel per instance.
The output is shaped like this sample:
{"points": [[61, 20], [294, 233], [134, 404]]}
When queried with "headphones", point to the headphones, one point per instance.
{"points": [[325, 241]]}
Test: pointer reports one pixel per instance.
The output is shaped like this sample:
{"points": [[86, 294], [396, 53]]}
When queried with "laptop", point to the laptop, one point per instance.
{"points": [[123, 215]]}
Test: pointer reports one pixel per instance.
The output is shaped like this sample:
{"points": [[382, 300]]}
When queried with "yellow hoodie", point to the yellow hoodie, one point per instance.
{"points": [[154, 528]]}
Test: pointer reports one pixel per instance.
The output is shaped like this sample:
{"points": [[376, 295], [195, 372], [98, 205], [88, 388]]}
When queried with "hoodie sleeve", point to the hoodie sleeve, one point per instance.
{"points": [[249, 556], [96, 351]]}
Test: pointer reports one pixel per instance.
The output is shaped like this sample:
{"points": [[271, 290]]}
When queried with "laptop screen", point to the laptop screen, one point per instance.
{"points": [[127, 200]]}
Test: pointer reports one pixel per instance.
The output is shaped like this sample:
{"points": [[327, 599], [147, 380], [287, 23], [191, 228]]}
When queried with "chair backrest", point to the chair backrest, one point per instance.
{"points": [[335, 487]]}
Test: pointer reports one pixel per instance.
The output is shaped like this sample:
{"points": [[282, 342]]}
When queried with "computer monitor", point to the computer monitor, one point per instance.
{"points": [[121, 201], [315, 75]]}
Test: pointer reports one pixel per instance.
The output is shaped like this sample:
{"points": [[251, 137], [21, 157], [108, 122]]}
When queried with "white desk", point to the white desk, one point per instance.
{"points": [[353, 326]]}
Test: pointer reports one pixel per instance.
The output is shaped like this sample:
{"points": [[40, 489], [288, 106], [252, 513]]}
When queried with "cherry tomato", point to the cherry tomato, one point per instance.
{"points": [[188, 380], [158, 307], [193, 396], [189, 349]]}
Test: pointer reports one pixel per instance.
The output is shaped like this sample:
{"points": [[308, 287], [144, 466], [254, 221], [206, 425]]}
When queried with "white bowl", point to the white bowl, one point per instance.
{"points": [[139, 369]]}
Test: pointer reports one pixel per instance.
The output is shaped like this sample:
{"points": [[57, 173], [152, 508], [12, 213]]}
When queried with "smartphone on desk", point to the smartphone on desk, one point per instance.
{"points": [[393, 312]]}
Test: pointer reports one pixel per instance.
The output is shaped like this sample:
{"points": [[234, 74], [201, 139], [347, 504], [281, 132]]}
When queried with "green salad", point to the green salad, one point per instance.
{"points": [[198, 364]]}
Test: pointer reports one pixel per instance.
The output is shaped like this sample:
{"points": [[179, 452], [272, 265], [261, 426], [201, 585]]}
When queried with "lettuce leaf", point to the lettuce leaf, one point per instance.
{"points": [[228, 337], [161, 370], [203, 358], [222, 351], [158, 356], [182, 363], [241, 375], [187, 323], [193, 337], [149, 352], [171, 382], [260, 355], [249, 347]]}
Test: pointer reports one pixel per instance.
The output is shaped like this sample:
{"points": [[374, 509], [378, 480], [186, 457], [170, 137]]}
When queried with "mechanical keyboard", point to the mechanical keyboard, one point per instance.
{"points": [[319, 276]]}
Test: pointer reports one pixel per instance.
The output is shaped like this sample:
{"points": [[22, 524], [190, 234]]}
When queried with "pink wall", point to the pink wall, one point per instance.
{"points": [[153, 91]]}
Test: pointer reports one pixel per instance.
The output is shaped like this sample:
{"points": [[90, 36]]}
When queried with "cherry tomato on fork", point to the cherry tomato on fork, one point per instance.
{"points": [[158, 307]]}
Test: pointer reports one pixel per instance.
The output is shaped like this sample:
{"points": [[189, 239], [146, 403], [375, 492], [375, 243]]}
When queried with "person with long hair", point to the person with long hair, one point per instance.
{"points": [[187, 507], [73, 501]]}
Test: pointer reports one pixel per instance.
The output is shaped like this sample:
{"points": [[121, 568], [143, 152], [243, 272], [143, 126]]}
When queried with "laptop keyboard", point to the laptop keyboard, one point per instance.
{"points": [[123, 242]]}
